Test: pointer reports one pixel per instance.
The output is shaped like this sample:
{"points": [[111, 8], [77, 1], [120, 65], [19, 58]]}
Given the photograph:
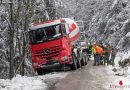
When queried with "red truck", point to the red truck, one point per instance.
{"points": [[54, 43]]}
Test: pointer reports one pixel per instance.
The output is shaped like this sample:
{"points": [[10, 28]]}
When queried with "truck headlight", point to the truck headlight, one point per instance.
{"points": [[35, 64], [64, 58]]}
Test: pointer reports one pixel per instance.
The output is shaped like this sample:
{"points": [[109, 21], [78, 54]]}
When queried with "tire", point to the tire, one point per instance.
{"points": [[74, 64], [41, 71], [84, 60], [78, 61]]}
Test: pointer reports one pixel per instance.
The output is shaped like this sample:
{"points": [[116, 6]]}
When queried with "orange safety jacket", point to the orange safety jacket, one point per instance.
{"points": [[99, 50]]}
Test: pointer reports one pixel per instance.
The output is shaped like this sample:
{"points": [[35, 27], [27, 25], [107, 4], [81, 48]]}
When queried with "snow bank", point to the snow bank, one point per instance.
{"points": [[120, 79], [22, 83], [29, 83], [121, 56], [120, 83], [117, 82]]}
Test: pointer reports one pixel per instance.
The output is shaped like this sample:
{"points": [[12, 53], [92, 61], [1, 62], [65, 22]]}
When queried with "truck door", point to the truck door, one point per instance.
{"points": [[66, 39]]}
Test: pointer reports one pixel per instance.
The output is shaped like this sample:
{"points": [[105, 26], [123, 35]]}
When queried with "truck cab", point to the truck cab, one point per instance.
{"points": [[53, 43]]}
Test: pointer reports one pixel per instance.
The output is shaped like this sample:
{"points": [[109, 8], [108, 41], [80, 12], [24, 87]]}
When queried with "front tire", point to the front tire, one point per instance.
{"points": [[74, 64], [41, 71], [84, 60], [78, 61]]}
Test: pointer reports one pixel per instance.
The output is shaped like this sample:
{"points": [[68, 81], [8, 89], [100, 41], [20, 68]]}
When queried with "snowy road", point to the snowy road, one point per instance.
{"points": [[92, 78], [87, 78]]}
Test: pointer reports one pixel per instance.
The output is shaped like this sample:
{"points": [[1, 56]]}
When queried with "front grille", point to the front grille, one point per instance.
{"points": [[48, 53]]}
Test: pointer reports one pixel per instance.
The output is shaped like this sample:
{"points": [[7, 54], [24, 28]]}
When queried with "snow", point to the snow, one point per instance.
{"points": [[28, 83], [82, 10], [121, 56], [114, 3], [58, 3], [22, 83], [128, 34], [121, 75], [113, 82], [128, 70]]}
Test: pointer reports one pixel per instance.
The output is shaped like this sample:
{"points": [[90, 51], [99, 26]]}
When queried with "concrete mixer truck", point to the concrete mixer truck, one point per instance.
{"points": [[55, 43]]}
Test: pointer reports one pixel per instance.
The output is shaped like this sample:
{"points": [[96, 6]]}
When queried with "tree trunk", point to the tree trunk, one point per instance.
{"points": [[50, 6], [11, 41]]}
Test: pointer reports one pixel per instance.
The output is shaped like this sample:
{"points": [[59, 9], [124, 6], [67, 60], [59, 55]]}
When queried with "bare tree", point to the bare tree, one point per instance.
{"points": [[19, 14], [11, 40], [50, 7]]}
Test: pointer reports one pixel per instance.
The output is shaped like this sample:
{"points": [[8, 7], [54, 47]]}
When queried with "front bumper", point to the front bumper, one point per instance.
{"points": [[50, 66]]}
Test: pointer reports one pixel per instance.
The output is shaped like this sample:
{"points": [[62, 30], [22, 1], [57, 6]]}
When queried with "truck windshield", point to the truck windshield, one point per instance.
{"points": [[45, 34]]}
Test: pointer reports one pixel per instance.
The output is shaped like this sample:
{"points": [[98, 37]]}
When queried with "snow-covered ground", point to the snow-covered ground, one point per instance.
{"points": [[119, 80], [121, 56], [116, 82], [29, 83]]}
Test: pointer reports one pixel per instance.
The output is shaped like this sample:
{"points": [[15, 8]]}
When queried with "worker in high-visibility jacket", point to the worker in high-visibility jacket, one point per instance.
{"points": [[94, 54], [97, 52]]}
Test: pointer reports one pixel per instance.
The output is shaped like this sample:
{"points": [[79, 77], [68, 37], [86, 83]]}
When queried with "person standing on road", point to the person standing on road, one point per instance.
{"points": [[102, 62], [94, 54], [89, 50], [113, 54], [97, 51], [107, 53]]}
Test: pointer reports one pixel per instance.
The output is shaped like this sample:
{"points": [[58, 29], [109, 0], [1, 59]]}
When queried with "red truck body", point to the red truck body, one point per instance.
{"points": [[54, 50]]}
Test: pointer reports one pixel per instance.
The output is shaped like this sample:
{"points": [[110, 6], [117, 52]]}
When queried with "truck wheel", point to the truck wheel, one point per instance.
{"points": [[78, 61], [41, 71], [84, 60], [74, 65]]}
